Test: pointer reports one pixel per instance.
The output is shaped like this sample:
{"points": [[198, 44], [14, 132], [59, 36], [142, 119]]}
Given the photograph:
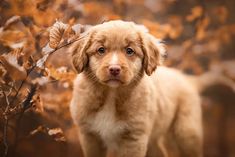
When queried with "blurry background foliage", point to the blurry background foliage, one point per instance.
{"points": [[34, 116]]}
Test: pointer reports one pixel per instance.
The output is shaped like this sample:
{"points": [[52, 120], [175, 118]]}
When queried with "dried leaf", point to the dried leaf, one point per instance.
{"points": [[17, 45], [11, 21], [56, 33], [78, 28], [60, 73], [37, 103], [10, 63], [201, 28], [176, 27], [221, 13], [196, 12], [12, 36], [41, 80], [3, 72], [47, 50], [38, 130], [57, 134], [40, 63]]}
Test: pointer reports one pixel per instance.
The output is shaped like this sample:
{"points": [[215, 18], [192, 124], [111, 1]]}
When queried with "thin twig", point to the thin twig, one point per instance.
{"points": [[66, 44], [5, 129], [11, 88], [5, 137], [5, 125], [25, 105]]}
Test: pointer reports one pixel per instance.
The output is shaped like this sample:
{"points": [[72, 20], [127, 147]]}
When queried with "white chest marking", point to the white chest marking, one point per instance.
{"points": [[105, 122]]}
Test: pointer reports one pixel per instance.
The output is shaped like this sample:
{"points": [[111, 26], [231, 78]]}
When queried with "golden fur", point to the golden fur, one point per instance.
{"points": [[130, 114]]}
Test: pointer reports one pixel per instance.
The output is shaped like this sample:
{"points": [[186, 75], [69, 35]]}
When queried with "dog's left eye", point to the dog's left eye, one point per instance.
{"points": [[101, 50], [129, 51]]}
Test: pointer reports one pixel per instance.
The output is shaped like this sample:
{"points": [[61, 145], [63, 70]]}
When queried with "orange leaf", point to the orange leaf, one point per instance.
{"points": [[196, 12]]}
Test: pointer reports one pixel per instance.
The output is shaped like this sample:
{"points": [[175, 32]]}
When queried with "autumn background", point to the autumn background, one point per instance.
{"points": [[36, 80]]}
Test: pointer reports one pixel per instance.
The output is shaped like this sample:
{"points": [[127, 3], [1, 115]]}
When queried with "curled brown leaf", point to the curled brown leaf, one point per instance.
{"points": [[56, 34], [10, 63]]}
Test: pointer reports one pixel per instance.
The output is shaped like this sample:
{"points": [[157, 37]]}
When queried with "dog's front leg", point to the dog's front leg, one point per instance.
{"points": [[133, 147], [91, 145]]}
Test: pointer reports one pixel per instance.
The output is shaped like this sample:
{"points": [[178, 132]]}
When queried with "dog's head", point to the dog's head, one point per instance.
{"points": [[116, 53]]}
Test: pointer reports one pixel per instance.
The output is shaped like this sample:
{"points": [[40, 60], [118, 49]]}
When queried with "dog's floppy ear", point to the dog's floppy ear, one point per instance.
{"points": [[79, 55], [154, 52]]}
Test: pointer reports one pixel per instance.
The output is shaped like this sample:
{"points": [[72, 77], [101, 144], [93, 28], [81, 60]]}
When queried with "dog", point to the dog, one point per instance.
{"points": [[125, 102]]}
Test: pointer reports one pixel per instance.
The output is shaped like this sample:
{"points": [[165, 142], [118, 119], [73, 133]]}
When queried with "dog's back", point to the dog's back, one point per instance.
{"points": [[179, 111]]}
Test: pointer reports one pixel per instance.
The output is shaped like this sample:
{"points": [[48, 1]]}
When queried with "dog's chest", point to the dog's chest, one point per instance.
{"points": [[105, 121]]}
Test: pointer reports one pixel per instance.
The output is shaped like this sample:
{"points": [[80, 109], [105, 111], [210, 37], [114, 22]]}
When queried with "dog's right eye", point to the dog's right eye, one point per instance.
{"points": [[129, 51], [101, 50]]}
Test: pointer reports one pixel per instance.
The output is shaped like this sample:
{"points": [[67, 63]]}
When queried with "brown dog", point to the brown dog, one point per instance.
{"points": [[123, 104]]}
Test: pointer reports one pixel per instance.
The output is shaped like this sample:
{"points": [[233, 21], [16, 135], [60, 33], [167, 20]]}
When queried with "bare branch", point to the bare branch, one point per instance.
{"points": [[27, 102], [5, 124], [25, 105]]}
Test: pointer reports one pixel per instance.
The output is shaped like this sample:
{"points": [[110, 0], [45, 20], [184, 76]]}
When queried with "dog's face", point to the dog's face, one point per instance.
{"points": [[117, 53]]}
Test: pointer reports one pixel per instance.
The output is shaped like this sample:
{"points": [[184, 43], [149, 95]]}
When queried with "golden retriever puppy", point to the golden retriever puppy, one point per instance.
{"points": [[124, 102]]}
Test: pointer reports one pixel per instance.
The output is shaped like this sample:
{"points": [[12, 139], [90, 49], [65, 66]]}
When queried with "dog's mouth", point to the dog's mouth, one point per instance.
{"points": [[113, 82]]}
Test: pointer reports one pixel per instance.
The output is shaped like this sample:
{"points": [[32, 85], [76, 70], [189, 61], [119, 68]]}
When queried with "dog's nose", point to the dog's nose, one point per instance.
{"points": [[114, 70]]}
